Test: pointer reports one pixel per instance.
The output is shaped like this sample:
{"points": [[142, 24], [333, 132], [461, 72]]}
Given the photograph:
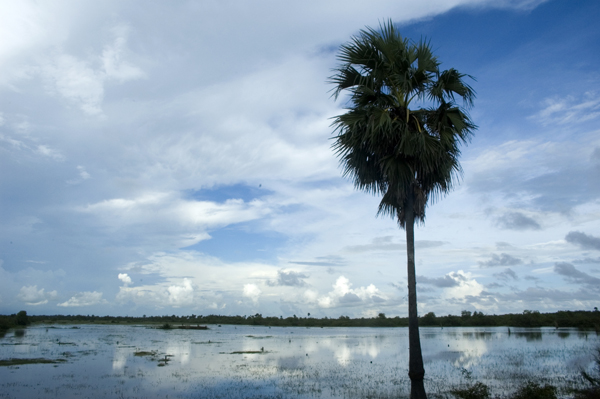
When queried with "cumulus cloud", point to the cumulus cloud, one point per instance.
{"points": [[572, 274], [181, 295], [344, 295], [288, 278], [252, 291], [467, 286], [500, 260], [124, 277], [32, 296], [86, 298], [517, 221], [585, 241]]}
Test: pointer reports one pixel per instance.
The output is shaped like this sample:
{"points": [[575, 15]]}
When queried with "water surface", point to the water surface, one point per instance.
{"points": [[115, 361]]}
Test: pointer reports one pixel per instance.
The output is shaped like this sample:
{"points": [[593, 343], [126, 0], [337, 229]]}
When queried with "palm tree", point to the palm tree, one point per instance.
{"points": [[400, 137]]}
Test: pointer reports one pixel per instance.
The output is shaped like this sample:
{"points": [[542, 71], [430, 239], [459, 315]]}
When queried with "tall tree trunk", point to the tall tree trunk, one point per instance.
{"points": [[416, 372]]}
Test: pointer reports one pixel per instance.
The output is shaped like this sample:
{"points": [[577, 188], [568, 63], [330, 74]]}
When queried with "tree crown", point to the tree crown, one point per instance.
{"points": [[385, 145]]}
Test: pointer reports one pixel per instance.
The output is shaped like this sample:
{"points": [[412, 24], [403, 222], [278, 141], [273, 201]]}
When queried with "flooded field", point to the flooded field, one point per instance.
{"points": [[65, 361]]}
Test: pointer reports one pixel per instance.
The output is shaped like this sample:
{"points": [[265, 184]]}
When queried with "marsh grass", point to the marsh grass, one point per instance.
{"points": [[18, 362], [145, 353], [593, 380]]}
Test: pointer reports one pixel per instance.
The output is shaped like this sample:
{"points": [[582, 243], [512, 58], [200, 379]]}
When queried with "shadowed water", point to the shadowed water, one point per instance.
{"points": [[262, 362]]}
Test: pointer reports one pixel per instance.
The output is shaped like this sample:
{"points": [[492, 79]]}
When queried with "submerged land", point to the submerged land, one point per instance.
{"points": [[126, 359]]}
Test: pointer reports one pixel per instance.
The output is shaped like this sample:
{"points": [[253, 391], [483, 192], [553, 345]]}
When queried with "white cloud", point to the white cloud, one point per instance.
{"points": [[113, 58], [124, 277], [343, 295], [252, 291], [81, 82], [181, 295], [32, 296], [86, 298], [198, 129], [466, 286], [569, 110]]}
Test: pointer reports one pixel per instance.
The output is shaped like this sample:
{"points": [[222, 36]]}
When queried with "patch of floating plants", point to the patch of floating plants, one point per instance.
{"points": [[260, 352], [18, 362], [207, 342], [162, 361]]}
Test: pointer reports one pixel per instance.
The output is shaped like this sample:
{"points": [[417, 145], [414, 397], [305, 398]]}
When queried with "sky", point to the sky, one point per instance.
{"points": [[162, 158]]}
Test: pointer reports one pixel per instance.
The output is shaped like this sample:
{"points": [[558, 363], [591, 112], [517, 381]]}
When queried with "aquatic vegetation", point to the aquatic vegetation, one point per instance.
{"points": [[17, 362], [145, 353], [533, 390]]}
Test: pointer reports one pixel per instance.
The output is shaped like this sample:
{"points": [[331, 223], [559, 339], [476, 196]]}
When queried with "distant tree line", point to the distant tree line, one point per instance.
{"points": [[529, 318], [14, 320]]}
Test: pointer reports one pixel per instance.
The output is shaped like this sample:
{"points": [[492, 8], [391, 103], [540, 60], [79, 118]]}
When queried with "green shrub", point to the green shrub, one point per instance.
{"points": [[533, 390], [477, 391], [4, 323], [22, 319], [590, 393]]}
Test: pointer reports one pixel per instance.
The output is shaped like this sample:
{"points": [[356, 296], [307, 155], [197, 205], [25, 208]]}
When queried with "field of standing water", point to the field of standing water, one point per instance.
{"points": [[117, 361]]}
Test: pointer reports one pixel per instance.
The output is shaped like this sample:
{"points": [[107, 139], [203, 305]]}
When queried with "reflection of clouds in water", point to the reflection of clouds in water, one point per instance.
{"points": [[120, 358], [470, 352], [180, 351], [290, 363], [344, 350], [343, 355]]}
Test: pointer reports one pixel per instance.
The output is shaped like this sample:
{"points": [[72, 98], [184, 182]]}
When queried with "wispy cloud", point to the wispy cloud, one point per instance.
{"points": [[569, 110], [503, 259]]}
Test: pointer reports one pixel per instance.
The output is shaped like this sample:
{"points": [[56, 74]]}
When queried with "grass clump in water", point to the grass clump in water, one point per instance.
{"points": [[477, 391], [18, 362], [533, 390], [145, 353], [529, 390], [592, 392]]}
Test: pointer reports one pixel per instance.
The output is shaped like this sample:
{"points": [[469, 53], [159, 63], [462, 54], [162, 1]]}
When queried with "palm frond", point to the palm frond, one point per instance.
{"points": [[384, 146]]}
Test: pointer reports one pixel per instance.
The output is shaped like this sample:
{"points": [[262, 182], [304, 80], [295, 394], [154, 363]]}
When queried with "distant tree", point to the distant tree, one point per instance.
{"points": [[429, 319], [21, 318], [389, 147]]}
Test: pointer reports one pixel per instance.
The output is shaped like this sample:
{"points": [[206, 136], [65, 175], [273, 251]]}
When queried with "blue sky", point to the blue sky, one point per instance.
{"points": [[175, 159]]}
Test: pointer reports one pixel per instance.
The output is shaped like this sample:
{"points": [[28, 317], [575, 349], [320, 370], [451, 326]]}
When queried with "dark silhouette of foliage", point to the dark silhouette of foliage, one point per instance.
{"points": [[533, 390], [22, 319], [476, 391]]}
